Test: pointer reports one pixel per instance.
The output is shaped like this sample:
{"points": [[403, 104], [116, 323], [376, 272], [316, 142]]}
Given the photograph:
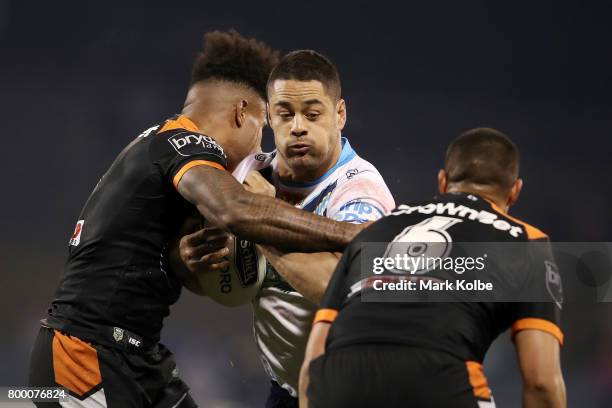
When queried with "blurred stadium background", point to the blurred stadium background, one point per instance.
{"points": [[78, 81]]}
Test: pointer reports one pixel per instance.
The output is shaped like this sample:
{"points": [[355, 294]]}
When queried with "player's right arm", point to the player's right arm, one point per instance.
{"points": [[536, 330], [538, 356], [196, 166], [269, 221]]}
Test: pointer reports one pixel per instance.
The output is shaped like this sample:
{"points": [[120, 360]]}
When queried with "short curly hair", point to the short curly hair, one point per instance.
{"points": [[228, 56]]}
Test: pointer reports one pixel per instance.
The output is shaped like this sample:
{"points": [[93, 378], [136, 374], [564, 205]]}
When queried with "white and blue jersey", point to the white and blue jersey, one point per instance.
{"points": [[351, 191]]}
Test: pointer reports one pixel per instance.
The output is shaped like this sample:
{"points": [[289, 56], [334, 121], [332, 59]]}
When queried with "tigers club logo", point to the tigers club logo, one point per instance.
{"points": [[117, 334], [553, 283]]}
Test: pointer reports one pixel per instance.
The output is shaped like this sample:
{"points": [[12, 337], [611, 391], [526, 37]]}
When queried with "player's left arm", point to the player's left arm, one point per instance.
{"points": [[357, 201], [203, 251]]}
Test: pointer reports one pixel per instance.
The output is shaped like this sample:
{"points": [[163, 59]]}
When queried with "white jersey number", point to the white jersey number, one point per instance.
{"points": [[427, 239]]}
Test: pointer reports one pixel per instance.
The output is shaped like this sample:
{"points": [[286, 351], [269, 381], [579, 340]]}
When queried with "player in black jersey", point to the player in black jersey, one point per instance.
{"points": [[100, 339], [367, 352]]}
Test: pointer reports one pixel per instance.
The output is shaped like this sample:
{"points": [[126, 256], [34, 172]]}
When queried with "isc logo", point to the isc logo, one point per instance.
{"points": [[134, 342], [192, 143]]}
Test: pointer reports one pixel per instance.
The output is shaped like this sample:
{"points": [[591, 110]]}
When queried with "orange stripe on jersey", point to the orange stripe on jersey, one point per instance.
{"points": [[538, 324], [191, 164], [532, 232], [182, 122], [325, 315], [478, 381], [75, 364]]}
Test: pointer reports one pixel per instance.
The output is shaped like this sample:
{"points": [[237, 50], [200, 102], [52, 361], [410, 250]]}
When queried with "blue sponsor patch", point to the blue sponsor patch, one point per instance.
{"points": [[358, 212]]}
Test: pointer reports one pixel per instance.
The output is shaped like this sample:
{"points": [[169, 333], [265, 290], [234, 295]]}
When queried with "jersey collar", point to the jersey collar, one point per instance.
{"points": [[346, 155]]}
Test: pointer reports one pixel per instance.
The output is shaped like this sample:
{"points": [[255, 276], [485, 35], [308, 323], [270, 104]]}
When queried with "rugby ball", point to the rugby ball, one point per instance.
{"points": [[241, 281]]}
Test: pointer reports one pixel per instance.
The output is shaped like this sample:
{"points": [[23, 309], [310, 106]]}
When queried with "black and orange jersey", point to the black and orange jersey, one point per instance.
{"points": [[521, 269], [116, 273]]}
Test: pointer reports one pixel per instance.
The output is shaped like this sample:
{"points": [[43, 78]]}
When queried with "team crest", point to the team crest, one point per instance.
{"points": [[553, 282], [117, 334]]}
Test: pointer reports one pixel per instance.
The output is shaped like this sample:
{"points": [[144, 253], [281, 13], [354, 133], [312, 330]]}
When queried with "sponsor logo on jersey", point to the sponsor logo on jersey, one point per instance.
{"points": [[358, 212], [75, 240], [134, 342], [190, 144], [450, 208], [148, 131], [351, 173]]}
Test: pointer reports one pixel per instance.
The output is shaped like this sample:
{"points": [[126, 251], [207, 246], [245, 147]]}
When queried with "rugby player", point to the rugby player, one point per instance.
{"points": [[100, 339], [429, 354], [317, 170]]}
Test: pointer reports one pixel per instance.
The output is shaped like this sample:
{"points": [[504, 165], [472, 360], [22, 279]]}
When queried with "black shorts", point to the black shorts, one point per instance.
{"points": [[395, 376], [280, 398], [102, 376]]}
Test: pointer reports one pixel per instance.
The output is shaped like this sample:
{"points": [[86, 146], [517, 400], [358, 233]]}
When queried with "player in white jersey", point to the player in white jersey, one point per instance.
{"points": [[317, 170]]}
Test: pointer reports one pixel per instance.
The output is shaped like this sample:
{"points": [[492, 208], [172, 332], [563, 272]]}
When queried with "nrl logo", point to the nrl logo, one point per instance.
{"points": [[117, 334]]}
